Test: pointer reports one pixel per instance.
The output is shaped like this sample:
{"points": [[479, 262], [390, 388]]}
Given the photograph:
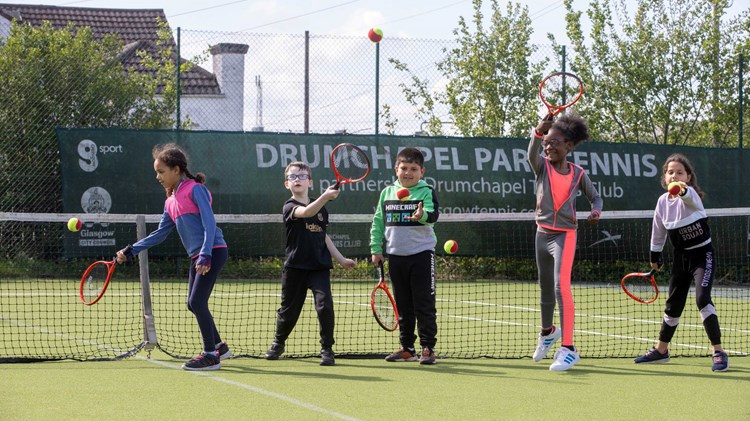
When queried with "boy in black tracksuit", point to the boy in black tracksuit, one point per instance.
{"points": [[308, 261], [406, 227]]}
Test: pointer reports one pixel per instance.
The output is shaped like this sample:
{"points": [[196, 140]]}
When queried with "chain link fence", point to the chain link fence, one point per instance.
{"points": [[326, 84], [280, 83]]}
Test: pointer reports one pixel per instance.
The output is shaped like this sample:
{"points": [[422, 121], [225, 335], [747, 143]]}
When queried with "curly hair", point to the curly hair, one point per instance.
{"points": [[573, 127]]}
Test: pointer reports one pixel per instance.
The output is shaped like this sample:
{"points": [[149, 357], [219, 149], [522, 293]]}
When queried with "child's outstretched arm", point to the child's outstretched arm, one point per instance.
{"points": [[312, 209], [336, 254]]}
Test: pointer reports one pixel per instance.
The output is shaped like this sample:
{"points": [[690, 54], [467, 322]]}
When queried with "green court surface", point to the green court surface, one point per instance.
{"points": [[372, 389], [494, 319]]}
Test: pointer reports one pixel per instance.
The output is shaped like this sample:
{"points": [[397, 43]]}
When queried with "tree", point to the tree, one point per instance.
{"points": [[492, 82], [667, 74], [53, 78]]}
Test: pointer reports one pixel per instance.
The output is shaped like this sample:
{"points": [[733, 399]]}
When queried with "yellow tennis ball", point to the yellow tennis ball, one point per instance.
{"points": [[74, 224], [450, 246]]}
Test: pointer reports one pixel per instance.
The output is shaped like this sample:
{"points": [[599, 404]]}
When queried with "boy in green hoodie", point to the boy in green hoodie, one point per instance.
{"points": [[405, 225]]}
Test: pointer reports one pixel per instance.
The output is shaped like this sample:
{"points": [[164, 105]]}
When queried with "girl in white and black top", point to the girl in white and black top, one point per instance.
{"points": [[683, 219]]}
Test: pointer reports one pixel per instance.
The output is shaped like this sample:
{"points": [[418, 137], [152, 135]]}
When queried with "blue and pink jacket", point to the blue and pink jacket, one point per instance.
{"points": [[189, 210]]}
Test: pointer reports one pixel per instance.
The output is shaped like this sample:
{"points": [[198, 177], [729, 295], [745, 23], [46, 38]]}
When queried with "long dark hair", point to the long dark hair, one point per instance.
{"points": [[173, 156], [682, 159]]}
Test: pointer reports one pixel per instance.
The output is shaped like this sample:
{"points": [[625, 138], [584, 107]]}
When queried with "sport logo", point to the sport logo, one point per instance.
{"points": [[87, 155]]}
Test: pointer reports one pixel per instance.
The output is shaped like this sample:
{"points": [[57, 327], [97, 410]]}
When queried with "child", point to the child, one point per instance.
{"points": [[557, 185], [188, 208], [406, 227], [683, 219], [308, 261]]}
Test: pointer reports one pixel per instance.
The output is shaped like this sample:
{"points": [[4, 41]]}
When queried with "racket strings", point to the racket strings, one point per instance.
{"points": [[350, 163], [641, 287], [383, 308], [94, 281], [560, 90]]}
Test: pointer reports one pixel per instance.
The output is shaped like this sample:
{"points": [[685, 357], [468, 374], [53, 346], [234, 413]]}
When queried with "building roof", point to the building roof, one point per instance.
{"points": [[137, 28]]}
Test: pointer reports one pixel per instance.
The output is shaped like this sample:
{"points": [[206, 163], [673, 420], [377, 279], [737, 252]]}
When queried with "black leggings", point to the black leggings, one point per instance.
{"points": [[199, 291], [691, 267]]}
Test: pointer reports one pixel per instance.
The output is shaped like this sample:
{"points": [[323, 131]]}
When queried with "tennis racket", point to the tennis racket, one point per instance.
{"points": [[640, 286], [383, 306], [559, 91], [349, 163], [95, 281]]}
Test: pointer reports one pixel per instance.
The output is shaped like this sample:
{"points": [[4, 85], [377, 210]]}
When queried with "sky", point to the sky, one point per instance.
{"points": [[342, 92], [400, 18], [432, 19]]}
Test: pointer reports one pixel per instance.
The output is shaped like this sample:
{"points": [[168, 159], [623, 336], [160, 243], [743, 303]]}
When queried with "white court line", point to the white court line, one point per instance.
{"points": [[285, 398], [279, 396]]}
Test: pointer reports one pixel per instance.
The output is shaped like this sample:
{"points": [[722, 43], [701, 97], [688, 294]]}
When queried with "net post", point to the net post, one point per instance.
{"points": [[149, 327]]}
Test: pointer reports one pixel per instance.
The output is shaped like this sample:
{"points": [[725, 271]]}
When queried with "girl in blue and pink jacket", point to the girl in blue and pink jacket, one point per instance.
{"points": [[188, 208]]}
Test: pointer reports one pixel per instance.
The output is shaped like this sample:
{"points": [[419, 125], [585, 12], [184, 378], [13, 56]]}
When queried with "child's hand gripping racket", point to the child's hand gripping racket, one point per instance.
{"points": [[641, 286], [559, 91], [95, 280], [349, 163], [383, 307]]}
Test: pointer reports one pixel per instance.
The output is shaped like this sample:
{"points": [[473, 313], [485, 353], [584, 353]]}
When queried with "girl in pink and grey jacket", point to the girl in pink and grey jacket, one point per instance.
{"points": [[557, 185]]}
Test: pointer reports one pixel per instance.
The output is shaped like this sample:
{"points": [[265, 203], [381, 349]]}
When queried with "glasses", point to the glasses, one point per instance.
{"points": [[552, 144], [301, 177]]}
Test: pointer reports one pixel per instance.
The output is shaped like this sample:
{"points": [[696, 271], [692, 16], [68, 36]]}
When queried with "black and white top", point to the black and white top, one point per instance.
{"points": [[683, 219]]}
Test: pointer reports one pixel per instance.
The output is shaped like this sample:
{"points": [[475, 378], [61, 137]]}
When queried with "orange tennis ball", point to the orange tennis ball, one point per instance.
{"points": [[674, 188], [375, 34], [403, 194], [450, 246], [74, 224]]}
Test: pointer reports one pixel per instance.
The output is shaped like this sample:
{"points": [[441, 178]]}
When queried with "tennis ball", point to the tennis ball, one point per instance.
{"points": [[674, 188], [450, 246], [375, 34], [403, 194], [74, 224]]}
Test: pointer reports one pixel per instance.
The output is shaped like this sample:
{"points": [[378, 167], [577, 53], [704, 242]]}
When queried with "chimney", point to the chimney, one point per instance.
{"points": [[229, 68]]}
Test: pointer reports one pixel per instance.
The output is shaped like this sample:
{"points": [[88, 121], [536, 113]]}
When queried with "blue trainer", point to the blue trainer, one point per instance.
{"points": [[653, 357], [721, 361]]}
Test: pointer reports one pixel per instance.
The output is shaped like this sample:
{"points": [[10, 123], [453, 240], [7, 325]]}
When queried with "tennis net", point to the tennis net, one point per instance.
{"points": [[487, 301]]}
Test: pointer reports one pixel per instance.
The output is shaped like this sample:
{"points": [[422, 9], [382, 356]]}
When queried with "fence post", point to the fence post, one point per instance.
{"points": [[741, 111], [178, 117], [377, 87], [307, 82]]}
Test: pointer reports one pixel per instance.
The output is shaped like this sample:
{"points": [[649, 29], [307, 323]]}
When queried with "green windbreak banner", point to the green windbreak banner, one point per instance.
{"points": [[111, 171]]}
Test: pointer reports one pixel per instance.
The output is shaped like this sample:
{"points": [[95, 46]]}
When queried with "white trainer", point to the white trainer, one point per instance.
{"points": [[545, 343], [564, 359]]}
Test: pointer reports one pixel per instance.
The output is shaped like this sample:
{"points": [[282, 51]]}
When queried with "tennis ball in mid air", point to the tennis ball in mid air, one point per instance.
{"points": [[403, 194], [674, 188], [450, 246], [375, 34], [74, 224]]}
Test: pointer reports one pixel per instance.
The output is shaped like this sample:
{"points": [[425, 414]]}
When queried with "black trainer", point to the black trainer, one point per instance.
{"points": [[275, 351], [203, 362], [223, 350], [326, 357]]}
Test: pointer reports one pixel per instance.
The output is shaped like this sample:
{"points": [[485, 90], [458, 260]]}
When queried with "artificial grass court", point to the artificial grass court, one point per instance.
{"points": [[372, 389], [476, 318]]}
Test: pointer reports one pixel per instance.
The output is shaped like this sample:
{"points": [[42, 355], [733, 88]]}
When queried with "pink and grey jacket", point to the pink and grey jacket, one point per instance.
{"points": [[189, 210], [563, 218]]}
